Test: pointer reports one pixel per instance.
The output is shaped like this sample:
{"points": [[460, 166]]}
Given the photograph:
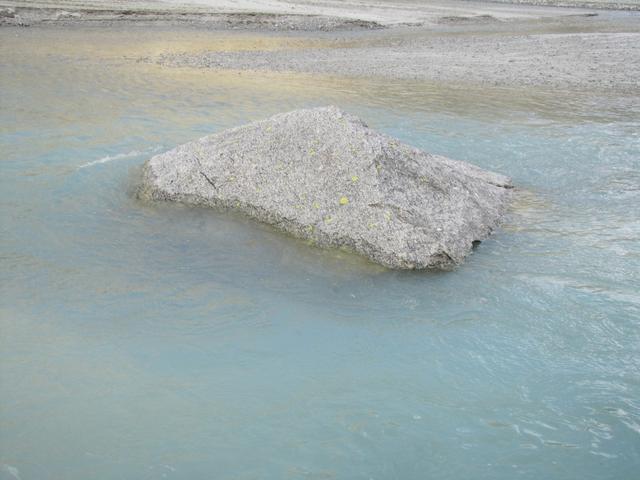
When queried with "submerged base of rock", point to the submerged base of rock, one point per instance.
{"points": [[323, 175]]}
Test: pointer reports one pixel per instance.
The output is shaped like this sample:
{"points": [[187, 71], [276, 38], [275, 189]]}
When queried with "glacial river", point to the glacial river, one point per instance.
{"points": [[154, 341]]}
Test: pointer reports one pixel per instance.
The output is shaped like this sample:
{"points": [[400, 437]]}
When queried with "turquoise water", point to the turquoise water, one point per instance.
{"points": [[146, 341]]}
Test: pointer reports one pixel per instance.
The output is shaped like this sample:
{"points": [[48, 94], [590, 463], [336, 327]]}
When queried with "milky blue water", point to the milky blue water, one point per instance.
{"points": [[144, 341]]}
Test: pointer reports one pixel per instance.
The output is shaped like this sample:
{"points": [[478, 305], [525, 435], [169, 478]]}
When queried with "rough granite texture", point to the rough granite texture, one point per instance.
{"points": [[323, 175]]}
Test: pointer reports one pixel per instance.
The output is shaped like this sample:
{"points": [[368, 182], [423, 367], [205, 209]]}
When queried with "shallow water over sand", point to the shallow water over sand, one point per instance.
{"points": [[159, 341]]}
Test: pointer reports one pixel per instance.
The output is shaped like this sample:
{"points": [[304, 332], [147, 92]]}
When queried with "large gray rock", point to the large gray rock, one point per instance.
{"points": [[323, 175]]}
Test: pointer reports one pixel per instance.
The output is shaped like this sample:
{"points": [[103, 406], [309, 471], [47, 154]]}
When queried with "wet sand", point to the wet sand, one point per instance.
{"points": [[459, 42], [602, 60]]}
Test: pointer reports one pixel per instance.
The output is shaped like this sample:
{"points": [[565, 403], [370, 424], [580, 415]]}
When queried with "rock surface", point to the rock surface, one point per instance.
{"points": [[323, 175]]}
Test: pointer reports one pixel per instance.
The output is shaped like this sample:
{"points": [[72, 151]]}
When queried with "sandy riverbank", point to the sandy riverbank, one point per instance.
{"points": [[480, 43], [538, 54], [286, 15]]}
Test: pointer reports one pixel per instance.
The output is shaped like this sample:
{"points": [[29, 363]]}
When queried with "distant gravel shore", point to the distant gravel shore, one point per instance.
{"points": [[451, 41], [281, 15], [603, 61], [599, 4]]}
